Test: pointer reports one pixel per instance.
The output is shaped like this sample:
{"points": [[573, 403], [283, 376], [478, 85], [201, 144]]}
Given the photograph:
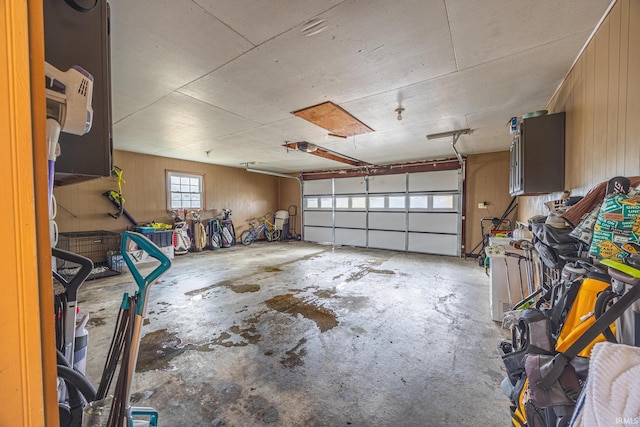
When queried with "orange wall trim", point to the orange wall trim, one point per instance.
{"points": [[21, 393]]}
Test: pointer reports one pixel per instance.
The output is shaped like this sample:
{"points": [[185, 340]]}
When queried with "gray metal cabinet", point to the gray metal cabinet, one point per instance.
{"points": [[537, 156]]}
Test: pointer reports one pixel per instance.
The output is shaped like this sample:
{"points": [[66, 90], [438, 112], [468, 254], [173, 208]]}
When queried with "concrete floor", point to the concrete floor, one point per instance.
{"points": [[295, 334]]}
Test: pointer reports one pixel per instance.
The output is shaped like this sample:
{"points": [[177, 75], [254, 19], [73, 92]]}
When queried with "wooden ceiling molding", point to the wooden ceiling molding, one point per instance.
{"points": [[426, 166], [338, 121]]}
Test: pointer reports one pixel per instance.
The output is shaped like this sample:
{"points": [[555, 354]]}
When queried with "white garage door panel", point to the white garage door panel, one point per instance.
{"points": [[388, 183], [318, 218], [351, 237], [387, 221], [441, 244], [318, 234], [434, 181], [417, 212], [434, 222], [387, 240], [351, 219], [318, 186], [350, 185]]}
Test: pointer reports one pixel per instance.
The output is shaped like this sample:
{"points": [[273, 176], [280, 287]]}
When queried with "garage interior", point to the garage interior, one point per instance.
{"points": [[383, 130]]}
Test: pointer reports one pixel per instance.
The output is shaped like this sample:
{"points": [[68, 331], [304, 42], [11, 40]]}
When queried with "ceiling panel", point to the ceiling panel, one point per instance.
{"points": [[159, 46], [486, 30], [256, 20], [349, 60], [191, 77], [174, 121]]}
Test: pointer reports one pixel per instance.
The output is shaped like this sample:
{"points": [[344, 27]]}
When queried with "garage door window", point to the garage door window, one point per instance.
{"points": [[376, 202], [396, 202], [419, 202], [443, 202], [326, 203], [342, 203], [358, 203]]}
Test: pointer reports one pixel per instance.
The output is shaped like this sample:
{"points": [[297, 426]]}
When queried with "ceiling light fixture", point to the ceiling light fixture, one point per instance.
{"points": [[305, 146], [399, 110]]}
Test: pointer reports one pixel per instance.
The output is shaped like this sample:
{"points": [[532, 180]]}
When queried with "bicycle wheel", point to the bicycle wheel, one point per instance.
{"points": [[275, 234], [246, 237]]}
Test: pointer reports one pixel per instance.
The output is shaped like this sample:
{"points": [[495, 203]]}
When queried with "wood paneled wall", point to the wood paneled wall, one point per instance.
{"points": [[601, 98], [290, 193], [82, 207], [487, 180]]}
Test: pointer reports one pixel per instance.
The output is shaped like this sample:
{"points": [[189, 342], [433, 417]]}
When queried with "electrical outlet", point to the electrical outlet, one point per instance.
{"points": [[482, 205]]}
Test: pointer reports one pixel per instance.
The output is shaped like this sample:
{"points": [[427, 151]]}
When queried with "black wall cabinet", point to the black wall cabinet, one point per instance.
{"points": [[537, 156], [73, 37]]}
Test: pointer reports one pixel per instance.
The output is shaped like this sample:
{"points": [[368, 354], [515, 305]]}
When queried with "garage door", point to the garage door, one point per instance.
{"points": [[416, 212]]}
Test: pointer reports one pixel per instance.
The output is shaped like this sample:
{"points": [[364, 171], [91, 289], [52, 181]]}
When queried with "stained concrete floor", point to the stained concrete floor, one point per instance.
{"points": [[296, 334]]}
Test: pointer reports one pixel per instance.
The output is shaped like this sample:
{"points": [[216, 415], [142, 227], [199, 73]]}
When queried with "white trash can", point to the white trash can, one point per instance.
{"points": [[282, 222]]}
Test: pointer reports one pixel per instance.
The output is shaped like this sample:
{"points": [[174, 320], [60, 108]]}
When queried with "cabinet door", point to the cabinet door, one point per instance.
{"points": [[75, 38], [537, 156], [515, 171]]}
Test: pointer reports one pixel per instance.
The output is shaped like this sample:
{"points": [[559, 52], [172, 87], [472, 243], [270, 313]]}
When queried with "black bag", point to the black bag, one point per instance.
{"points": [[532, 334], [564, 391]]}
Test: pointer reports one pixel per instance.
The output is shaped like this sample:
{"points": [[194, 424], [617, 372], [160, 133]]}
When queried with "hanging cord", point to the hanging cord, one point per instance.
{"points": [[60, 302]]}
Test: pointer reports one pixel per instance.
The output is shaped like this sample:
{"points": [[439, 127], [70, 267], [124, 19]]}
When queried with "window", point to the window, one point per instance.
{"points": [[358, 203], [396, 202], [419, 202], [443, 202], [326, 202], [312, 203], [185, 191], [342, 203], [376, 202]]}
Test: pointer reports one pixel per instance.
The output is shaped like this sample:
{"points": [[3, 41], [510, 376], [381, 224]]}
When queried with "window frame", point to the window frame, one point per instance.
{"points": [[169, 173]]}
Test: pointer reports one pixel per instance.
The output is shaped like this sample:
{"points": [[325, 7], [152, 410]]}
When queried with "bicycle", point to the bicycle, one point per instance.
{"points": [[260, 226]]}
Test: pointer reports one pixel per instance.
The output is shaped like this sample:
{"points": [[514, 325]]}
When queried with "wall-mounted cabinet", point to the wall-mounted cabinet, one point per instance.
{"points": [[79, 36], [537, 156]]}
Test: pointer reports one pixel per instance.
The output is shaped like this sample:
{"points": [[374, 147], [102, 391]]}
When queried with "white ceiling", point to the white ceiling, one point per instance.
{"points": [[223, 76]]}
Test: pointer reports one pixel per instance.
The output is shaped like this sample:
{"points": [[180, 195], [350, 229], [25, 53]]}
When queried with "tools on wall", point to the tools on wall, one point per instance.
{"points": [[116, 197]]}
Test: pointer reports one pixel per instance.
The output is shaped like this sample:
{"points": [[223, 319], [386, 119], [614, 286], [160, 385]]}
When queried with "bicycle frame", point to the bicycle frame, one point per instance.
{"points": [[256, 230], [249, 236]]}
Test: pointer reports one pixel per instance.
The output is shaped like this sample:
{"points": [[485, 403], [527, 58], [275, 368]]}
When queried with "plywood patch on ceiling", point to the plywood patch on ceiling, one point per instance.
{"points": [[333, 118]]}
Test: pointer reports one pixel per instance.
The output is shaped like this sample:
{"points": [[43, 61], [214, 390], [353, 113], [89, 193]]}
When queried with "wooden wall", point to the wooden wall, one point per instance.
{"points": [[290, 199], [487, 180], [81, 207], [25, 387], [601, 98]]}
